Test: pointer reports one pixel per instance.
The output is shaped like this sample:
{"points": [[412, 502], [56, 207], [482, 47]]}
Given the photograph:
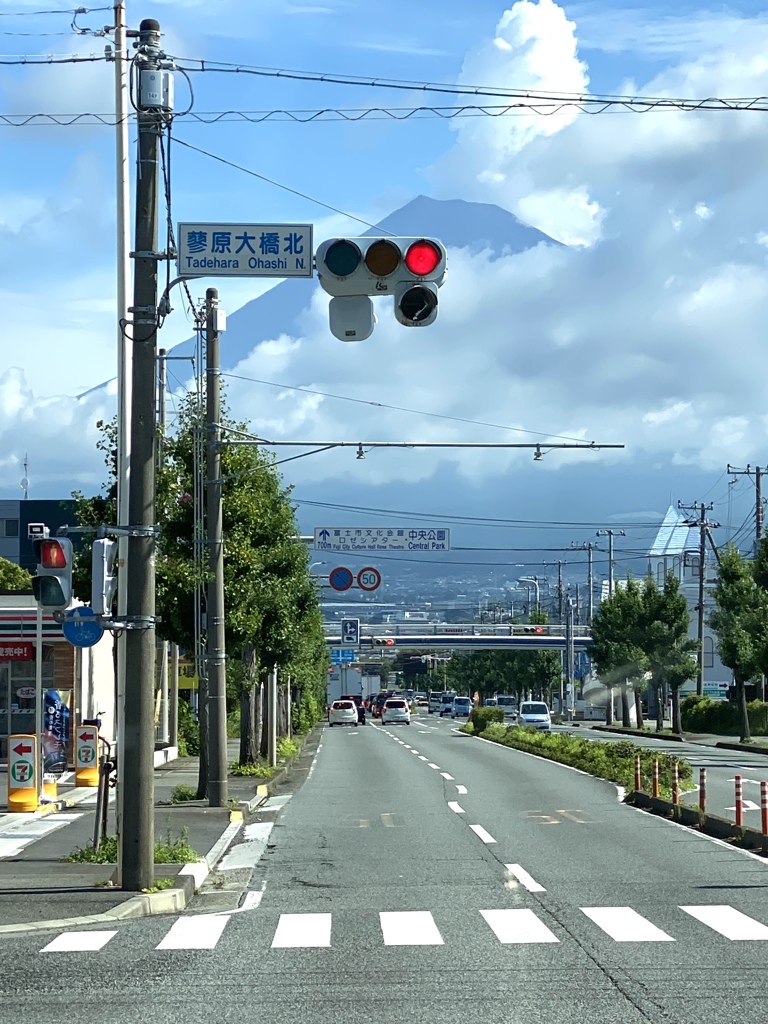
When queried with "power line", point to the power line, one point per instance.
{"points": [[398, 408], [254, 174], [637, 102], [37, 14]]}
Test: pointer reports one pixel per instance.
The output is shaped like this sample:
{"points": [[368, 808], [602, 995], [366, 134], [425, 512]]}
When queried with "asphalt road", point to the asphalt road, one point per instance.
{"points": [[422, 875], [722, 766]]}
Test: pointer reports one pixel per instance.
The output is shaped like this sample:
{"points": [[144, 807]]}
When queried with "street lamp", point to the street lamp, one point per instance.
{"points": [[534, 581]]}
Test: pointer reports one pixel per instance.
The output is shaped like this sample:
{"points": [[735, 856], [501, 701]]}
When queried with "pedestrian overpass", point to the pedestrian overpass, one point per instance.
{"points": [[462, 636]]}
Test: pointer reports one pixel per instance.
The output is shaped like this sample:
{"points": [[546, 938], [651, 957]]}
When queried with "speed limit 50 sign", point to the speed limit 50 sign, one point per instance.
{"points": [[369, 578]]}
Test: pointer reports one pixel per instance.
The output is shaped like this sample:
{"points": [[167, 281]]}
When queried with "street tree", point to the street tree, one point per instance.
{"points": [[13, 577], [663, 636], [616, 628], [739, 620]]}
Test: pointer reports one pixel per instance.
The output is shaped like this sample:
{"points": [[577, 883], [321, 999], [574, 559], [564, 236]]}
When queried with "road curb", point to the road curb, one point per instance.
{"points": [[151, 904], [751, 748], [640, 732], [741, 836]]}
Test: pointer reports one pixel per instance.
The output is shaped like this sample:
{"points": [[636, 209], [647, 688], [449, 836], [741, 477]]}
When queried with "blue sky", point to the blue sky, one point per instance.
{"points": [[648, 329]]}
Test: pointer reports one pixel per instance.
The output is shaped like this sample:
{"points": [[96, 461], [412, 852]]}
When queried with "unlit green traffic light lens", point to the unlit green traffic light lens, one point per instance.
{"points": [[342, 258], [382, 258]]}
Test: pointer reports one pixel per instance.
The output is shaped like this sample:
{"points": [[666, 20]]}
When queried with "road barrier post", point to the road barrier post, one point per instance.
{"points": [[764, 807], [675, 784], [656, 777], [703, 790], [638, 776], [739, 801]]}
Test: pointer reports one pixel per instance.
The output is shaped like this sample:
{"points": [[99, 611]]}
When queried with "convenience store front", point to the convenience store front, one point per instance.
{"points": [[75, 680]]}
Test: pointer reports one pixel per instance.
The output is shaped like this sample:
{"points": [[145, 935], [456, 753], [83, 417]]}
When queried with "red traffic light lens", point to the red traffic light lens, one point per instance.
{"points": [[52, 555], [539, 629], [422, 257]]}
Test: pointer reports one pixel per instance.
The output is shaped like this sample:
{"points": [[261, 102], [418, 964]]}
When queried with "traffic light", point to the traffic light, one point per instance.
{"points": [[533, 629], [103, 578], [352, 269], [52, 584], [350, 631], [383, 641]]}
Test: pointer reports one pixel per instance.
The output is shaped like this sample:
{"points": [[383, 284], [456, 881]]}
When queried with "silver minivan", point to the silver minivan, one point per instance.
{"points": [[534, 713]]}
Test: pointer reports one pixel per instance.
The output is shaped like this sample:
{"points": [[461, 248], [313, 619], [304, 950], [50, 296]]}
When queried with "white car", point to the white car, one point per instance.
{"points": [[343, 712], [536, 714], [396, 710]]}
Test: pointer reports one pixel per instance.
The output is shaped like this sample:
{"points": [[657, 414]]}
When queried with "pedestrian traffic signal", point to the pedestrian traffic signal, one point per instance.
{"points": [[52, 583], [353, 269], [383, 641], [350, 631], [103, 577]]}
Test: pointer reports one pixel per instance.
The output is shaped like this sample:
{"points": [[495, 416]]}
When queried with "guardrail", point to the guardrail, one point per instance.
{"points": [[457, 629]]}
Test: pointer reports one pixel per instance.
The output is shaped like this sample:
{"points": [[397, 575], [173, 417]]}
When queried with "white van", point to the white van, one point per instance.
{"points": [[536, 714]]}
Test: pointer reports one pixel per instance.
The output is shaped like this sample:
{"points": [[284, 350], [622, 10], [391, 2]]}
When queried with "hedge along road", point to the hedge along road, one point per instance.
{"points": [[589, 862], [722, 765]]}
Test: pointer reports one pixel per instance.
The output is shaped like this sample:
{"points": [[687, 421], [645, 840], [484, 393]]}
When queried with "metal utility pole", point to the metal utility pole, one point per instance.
{"points": [[610, 534], [570, 659], [703, 525], [759, 471], [138, 837], [214, 634]]}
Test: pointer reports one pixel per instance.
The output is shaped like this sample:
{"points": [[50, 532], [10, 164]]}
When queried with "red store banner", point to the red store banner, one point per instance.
{"points": [[17, 650]]}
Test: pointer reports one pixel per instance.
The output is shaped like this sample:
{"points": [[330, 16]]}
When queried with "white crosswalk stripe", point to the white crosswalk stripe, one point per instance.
{"points": [[509, 926]]}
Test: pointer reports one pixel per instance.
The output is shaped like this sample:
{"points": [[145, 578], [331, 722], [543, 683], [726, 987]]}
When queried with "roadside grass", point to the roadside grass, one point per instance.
{"points": [[170, 850], [181, 794], [287, 752], [614, 761]]}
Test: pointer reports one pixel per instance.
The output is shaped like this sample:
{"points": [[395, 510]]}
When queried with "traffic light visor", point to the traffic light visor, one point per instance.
{"points": [[422, 257], [382, 258], [343, 258], [52, 555]]}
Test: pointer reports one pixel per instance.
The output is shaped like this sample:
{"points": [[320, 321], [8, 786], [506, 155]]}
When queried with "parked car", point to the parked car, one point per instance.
{"points": [[396, 710], [343, 712], [461, 707], [536, 714]]}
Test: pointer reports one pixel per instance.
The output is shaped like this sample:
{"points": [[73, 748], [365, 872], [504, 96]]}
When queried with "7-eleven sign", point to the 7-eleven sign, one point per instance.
{"points": [[86, 755]]}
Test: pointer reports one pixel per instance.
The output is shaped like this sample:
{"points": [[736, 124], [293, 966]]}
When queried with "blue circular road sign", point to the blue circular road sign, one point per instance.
{"points": [[81, 627], [341, 578]]}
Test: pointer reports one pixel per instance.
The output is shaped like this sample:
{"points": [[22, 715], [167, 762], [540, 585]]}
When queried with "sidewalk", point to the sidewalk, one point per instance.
{"points": [[758, 743], [36, 884]]}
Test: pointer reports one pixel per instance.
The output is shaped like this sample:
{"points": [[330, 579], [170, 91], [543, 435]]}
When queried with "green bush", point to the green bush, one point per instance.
{"points": [[607, 760], [306, 713], [168, 851], [481, 718], [189, 731]]}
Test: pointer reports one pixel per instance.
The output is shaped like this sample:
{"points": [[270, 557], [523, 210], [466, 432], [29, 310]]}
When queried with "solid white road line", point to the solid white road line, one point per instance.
{"points": [[409, 928], [302, 930], [518, 926], [461, 790], [482, 834], [78, 942], [437, 766], [195, 932], [625, 924], [456, 808], [447, 777], [524, 878], [729, 922]]}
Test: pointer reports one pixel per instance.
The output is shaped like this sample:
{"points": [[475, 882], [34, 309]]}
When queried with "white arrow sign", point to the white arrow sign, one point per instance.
{"points": [[746, 805]]}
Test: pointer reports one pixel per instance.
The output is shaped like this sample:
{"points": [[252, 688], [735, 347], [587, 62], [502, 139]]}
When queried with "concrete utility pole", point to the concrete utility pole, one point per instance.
{"points": [[610, 534], [214, 634], [589, 547], [138, 838], [703, 525], [759, 510]]}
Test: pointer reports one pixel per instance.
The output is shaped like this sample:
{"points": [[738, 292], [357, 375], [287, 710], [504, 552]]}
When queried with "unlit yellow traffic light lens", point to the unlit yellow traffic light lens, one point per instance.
{"points": [[382, 258]]}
